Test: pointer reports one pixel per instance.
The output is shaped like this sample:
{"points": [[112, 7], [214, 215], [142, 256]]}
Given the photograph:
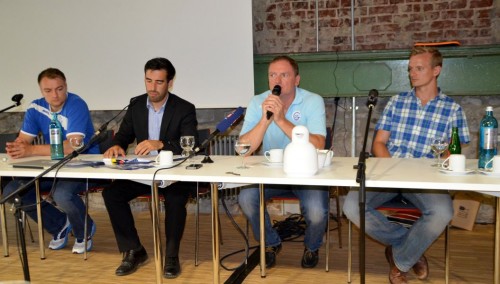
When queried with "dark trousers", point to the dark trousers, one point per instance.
{"points": [[120, 192]]}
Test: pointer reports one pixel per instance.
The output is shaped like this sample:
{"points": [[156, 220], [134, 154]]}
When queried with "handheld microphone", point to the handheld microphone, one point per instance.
{"points": [[222, 126], [276, 91], [372, 98], [17, 98]]}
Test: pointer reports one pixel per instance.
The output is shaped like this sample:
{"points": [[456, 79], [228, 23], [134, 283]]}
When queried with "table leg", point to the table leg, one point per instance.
{"points": [[4, 231], [262, 232], [156, 232], [41, 241], [215, 232], [497, 244], [5, 241]]}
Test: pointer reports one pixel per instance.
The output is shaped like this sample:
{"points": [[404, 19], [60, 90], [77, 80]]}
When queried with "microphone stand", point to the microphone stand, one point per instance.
{"points": [[22, 239], [14, 105], [361, 179], [207, 159]]}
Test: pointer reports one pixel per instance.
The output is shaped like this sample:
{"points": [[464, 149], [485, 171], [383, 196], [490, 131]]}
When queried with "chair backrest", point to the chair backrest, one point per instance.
{"points": [[105, 140], [202, 136], [328, 138], [4, 138]]}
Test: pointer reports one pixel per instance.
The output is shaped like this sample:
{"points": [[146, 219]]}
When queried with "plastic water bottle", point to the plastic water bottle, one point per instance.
{"points": [[488, 131], [56, 141]]}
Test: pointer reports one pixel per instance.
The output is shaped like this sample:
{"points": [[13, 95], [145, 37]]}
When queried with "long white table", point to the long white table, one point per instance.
{"points": [[380, 172]]}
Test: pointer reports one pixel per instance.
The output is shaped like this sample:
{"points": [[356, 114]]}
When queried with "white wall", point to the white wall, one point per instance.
{"points": [[102, 46]]}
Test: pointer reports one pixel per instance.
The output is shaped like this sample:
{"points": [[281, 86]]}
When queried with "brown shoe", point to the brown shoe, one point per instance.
{"points": [[395, 275], [421, 268]]}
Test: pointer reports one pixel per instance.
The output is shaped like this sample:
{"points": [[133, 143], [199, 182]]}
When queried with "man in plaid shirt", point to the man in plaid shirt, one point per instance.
{"points": [[409, 123]]}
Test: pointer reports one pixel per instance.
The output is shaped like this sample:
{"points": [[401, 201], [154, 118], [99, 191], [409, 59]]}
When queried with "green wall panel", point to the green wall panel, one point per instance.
{"points": [[466, 71]]}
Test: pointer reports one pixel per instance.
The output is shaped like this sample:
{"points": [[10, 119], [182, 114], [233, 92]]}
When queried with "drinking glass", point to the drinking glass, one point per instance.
{"points": [[242, 148], [187, 144], [438, 146], [76, 142]]}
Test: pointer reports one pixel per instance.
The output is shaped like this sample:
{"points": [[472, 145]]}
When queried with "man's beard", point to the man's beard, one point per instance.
{"points": [[156, 97]]}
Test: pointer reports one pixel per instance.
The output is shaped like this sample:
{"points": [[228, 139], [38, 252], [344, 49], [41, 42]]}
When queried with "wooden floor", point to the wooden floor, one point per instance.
{"points": [[471, 258]]}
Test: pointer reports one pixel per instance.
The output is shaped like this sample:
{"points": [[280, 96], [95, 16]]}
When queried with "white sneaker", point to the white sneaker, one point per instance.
{"points": [[60, 240], [79, 247]]}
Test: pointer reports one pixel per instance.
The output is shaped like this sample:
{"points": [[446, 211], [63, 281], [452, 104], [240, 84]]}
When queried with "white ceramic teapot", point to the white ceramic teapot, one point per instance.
{"points": [[300, 158]]}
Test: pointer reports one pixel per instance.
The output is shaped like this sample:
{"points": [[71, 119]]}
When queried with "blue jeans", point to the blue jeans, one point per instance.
{"points": [[313, 206], [408, 245], [69, 204]]}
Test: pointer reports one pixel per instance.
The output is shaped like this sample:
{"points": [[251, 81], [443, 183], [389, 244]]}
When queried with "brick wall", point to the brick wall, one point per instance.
{"points": [[288, 26]]}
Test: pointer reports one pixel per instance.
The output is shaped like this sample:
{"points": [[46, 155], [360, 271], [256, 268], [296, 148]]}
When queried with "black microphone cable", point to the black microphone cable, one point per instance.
{"points": [[246, 248], [49, 198]]}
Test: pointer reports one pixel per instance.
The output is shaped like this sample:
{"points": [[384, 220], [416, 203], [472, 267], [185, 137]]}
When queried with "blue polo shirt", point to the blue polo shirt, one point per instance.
{"points": [[307, 109]]}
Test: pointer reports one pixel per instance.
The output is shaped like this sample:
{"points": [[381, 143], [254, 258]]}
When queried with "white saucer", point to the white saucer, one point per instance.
{"points": [[269, 164], [466, 172], [489, 173]]}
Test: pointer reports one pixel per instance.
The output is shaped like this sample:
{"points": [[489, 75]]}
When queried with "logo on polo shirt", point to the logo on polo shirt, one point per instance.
{"points": [[296, 115]]}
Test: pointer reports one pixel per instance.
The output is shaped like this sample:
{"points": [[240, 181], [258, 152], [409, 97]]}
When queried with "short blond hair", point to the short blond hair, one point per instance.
{"points": [[437, 58]]}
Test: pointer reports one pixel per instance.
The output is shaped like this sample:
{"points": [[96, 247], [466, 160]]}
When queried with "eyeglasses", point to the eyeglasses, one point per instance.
{"points": [[282, 75]]}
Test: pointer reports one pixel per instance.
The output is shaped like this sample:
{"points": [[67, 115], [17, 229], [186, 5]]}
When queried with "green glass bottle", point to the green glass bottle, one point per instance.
{"points": [[454, 147]]}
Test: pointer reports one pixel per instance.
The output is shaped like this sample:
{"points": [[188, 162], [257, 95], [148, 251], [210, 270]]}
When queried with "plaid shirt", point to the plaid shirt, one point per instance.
{"points": [[412, 126]]}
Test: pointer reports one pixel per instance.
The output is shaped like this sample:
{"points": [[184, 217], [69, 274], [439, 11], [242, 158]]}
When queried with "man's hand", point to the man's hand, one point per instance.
{"points": [[147, 146], [274, 105], [19, 148], [114, 152]]}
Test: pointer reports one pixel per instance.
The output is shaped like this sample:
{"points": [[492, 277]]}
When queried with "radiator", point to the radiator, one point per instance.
{"points": [[223, 145]]}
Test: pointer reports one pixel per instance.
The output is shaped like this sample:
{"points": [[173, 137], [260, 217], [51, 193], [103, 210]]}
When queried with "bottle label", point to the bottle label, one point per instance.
{"points": [[55, 136], [489, 138]]}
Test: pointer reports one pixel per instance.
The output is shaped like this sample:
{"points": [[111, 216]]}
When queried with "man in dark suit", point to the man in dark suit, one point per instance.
{"points": [[156, 121]]}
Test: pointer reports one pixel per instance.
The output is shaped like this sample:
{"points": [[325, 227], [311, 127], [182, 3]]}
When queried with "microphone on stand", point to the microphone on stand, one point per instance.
{"points": [[221, 127], [276, 91], [17, 99], [372, 98]]}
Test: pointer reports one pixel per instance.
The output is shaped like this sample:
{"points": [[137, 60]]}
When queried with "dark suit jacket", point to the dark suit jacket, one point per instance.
{"points": [[178, 119]]}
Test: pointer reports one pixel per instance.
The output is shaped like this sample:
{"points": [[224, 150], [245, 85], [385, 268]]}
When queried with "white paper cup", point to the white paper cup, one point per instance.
{"points": [[455, 163], [274, 155], [165, 158]]}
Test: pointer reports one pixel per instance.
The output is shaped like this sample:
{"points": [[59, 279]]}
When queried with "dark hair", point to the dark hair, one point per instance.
{"points": [[51, 73], [160, 63], [292, 62], [437, 58]]}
